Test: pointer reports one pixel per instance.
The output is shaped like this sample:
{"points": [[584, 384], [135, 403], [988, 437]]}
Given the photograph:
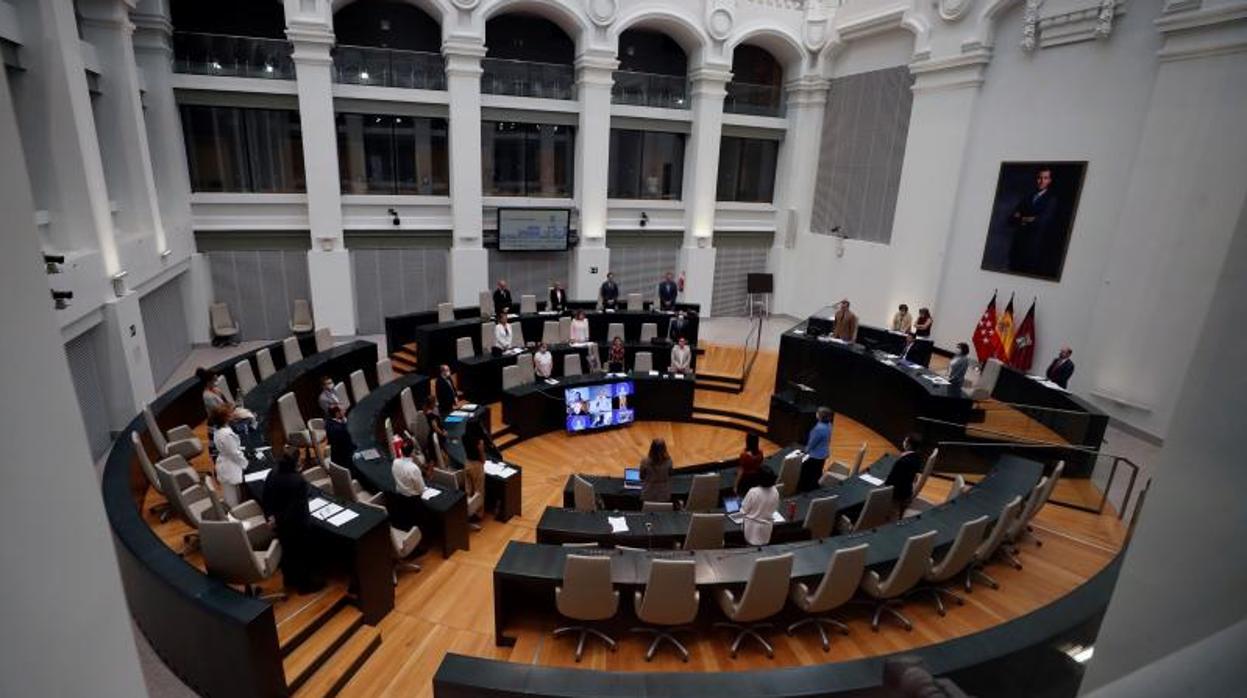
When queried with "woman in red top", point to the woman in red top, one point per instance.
{"points": [[615, 359], [749, 464]]}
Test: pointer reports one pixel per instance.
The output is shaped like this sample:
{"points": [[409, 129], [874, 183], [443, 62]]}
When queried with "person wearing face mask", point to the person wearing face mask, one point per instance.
{"points": [[447, 394]]}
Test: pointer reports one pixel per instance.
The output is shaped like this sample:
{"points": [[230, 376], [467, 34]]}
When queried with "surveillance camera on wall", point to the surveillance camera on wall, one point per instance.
{"points": [[52, 263], [62, 298], [394, 216], [644, 219]]}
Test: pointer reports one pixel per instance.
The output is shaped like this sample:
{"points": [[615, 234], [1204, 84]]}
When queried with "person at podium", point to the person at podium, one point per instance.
{"points": [[845, 323], [502, 298], [1061, 368], [558, 298]]}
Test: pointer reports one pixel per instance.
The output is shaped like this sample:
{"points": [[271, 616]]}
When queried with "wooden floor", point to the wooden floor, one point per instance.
{"points": [[447, 607]]}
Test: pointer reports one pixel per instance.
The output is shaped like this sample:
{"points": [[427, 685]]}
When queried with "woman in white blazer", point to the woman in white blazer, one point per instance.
{"points": [[230, 459]]}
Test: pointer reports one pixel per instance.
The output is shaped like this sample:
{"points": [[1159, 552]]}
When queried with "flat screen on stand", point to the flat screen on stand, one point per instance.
{"points": [[593, 407]]}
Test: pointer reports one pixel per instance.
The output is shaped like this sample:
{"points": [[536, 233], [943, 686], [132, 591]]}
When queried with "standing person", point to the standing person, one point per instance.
{"points": [[748, 465], [904, 470], [679, 326], [341, 445], [213, 396], [902, 321], [328, 398], [447, 394], [759, 507], [502, 298], [959, 365], [845, 323], [681, 358], [475, 454], [285, 500], [436, 430], [408, 475], [668, 291], [922, 327], [502, 333], [558, 298], [656, 473], [817, 447], [543, 362], [615, 359], [230, 459], [608, 294], [580, 328], [1061, 368]]}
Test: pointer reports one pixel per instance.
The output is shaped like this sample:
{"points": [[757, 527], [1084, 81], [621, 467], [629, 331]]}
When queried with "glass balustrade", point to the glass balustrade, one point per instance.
{"points": [[756, 100], [232, 56], [386, 67], [650, 90], [527, 79]]}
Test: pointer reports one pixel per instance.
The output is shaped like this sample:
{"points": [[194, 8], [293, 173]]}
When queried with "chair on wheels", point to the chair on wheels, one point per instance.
{"points": [[189, 497], [244, 377], [528, 303], [703, 494], [550, 332], [179, 440], [1023, 530], [348, 488], [925, 475], [670, 600], [385, 372], [229, 556], [565, 330], [613, 330], [764, 596], [586, 595], [875, 512], [986, 381], [445, 312], [705, 532], [301, 317], [344, 398], [511, 377], [820, 518], [528, 371], [323, 339], [224, 328], [165, 509], [840, 581], [789, 473], [991, 545], [359, 385], [635, 302], [643, 362], [463, 348], [298, 433], [486, 302], [571, 364], [954, 562], [487, 336], [649, 331], [457, 480], [839, 472], [657, 506], [958, 487], [264, 363], [583, 496], [291, 350], [913, 564]]}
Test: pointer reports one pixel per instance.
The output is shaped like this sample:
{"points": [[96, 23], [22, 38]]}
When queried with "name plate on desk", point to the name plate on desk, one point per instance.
{"points": [[501, 470], [619, 524]]}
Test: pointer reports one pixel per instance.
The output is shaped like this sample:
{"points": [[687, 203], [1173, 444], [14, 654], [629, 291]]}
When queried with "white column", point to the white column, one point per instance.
{"points": [[63, 594], [945, 91], [469, 262], [701, 177], [795, 180], [328, 262], [591, 259]]}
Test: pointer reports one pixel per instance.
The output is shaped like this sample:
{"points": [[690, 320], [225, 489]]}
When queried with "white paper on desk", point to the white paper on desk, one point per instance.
{"points": [[871, 479], [653, 373], [887, 362], [552, 381], [618, 524], [315, 503], [798, 331], [469, 406], [327, 511], [777, 517], [256, 476], [264, 449], [678, 375], [368, 453], [342, 517], [507, 472], [429, 493], [460, 413]]}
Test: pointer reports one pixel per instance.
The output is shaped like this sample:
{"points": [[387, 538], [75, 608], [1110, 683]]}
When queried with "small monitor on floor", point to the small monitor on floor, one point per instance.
{"points": [[632, 478]]}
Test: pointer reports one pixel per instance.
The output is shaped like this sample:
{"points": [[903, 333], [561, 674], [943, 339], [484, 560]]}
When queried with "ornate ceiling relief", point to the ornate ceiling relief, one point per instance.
{"points": [[602, 12], [720, 18], [953, 10]]}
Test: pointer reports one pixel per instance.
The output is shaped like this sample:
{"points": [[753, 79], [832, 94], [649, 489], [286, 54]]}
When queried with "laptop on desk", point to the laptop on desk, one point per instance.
{"points": [[632, 478], [731, 505]]}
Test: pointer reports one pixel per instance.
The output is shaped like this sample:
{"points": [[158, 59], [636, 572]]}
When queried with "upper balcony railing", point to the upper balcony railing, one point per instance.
{"points": [[501, 76], [650, 90], [387, 67], [232, 56], [756, 100]]}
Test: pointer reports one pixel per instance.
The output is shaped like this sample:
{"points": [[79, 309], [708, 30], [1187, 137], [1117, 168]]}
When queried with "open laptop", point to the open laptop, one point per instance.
{"points": [[731, 505], [632, 478]]}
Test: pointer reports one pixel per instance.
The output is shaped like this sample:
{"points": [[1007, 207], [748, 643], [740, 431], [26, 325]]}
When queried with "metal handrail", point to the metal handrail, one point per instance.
{"points": [[1040, 408], [1015, 438], [755, 333]]}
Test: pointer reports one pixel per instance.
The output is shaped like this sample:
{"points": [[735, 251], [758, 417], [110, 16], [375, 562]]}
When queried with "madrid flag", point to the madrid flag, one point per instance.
{"points": [[1024, 342], [985, 338], [1004, 333]]}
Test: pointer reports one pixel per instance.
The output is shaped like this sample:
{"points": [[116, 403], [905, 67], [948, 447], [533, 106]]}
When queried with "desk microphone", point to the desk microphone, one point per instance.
{"points": [[649, 534]]}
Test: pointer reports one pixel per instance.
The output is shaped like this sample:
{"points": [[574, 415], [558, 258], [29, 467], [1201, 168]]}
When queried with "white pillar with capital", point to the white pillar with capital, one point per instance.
{"points": [[328, 262], [591, 258], [709, 87], [469, 262]]}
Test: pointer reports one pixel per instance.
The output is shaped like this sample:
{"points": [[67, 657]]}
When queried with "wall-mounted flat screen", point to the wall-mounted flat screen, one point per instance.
{"points": [[592, 407], [532, 229]]}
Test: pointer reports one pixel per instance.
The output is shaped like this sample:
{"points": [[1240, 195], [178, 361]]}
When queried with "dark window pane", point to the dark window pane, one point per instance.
{"points": [[747, 169], [243, 150], [646, 165], [392, 155], [519, 159]]}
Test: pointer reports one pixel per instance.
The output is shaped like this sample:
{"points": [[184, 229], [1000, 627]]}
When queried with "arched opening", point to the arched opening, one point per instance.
{"points": [[757, 85], [528, 56], [231, 38], [653, 71], [389, 43]]}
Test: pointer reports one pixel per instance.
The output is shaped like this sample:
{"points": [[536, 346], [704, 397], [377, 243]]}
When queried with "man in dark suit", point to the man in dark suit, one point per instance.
{"points": [[502, 298], [1061, 368], [609, 293], [1034, 237], [558, 298], [447, 394], [910, 340], [679, 327], [667, 293], [904, 470]]}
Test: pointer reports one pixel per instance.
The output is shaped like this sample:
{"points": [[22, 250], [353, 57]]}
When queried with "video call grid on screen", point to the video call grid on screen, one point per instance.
{"points": [[593, 407]]}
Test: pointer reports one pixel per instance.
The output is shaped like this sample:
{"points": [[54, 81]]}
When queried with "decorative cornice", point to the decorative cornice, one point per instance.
{"points": [[807, 90], [1186, 20], [1030, 25], [710, 74], [596, 68], [952, 72], [953, 10], [876, 23], [1201, 33], [151, 22]]}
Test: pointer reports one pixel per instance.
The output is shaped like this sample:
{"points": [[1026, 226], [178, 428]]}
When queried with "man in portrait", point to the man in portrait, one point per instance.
{"points": [[1032, 216]]}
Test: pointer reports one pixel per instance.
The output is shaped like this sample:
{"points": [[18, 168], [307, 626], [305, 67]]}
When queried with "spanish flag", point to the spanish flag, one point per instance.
{"points": [[1004, 331]]}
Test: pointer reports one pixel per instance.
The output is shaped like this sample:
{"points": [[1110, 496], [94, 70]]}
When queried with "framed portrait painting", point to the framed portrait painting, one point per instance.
{"points": [[1032, 217]]}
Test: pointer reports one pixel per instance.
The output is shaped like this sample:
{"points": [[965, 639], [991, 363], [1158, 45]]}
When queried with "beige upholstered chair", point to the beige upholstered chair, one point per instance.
{"points": [[571, 364], [789, 474], [486, 302], [457, 480], [643, 362], [586, 595], [359, 385], [487, 336], [301, 317], [264, 363], [517, 334], [244, 377], [875, 512], [179, 440], [840, 581], [839, 472], [583, 496], [297, 431], [528, 303], [405, 543], [613, 330], [649, 330], [224, 328], [820, 518], [463, 348], [528, 371], [550, 332], [913, 564], [422, 431], [291, 350], [222, 384], [635, 302], [986, 381], [1023, 529], [1008, 550], [955, 561], [957, 488], [670, 600], [229, 556], [925, 475], [344, 398], [445, 312], [324, 339], [988, 549], [565, 330], [190, 498], [582, 546], [511, 377], [385, 372], [703, 493], [407, 404], [318, 477], [657, 506], [705, 532], [764, 596], [347, 488], [165, 509]]}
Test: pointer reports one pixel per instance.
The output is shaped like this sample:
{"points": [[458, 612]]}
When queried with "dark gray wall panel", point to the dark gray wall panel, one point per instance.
{"points": [[164, 324]]}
